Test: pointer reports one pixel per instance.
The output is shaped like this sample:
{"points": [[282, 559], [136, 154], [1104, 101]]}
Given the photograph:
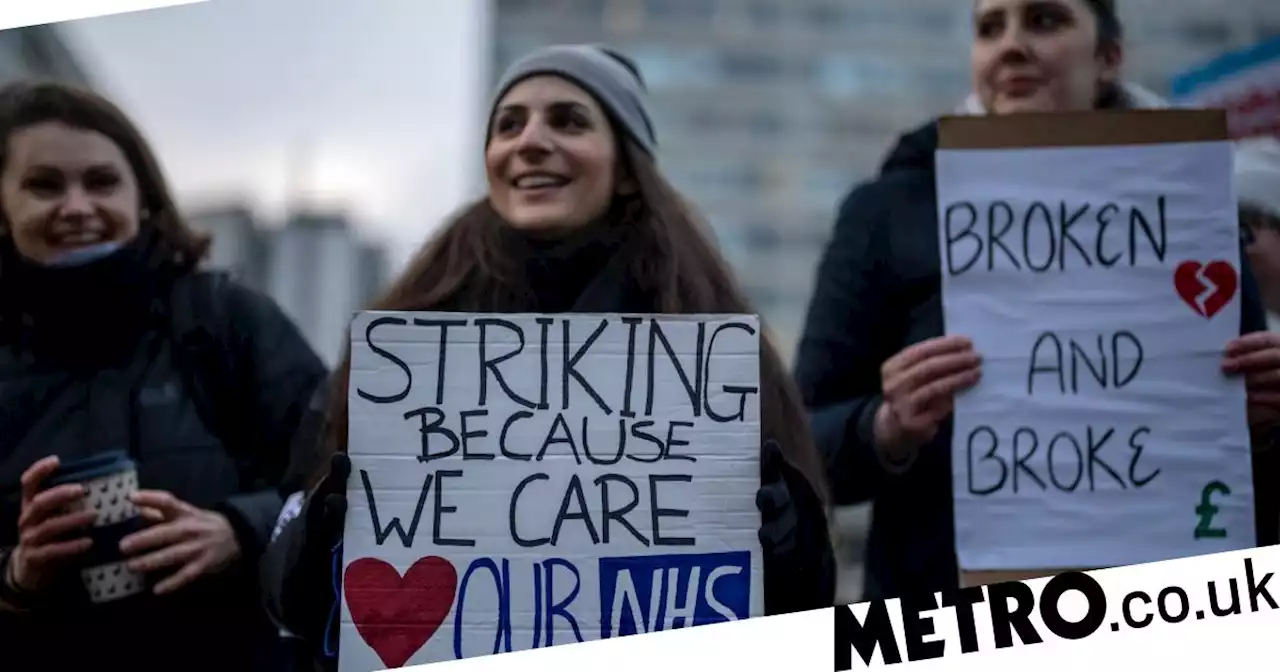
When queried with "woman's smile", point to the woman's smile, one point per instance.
{"points": [[539, 186]]}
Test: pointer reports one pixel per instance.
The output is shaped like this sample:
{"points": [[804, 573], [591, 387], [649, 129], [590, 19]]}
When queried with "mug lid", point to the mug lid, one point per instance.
{"points": [[88, 468]]}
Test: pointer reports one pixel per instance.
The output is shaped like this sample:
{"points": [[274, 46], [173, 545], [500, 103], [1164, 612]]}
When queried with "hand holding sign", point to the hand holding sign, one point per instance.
{"points": [[920, 384], [1256, 356], [327, 513], [778, 511], [308, 583], [785, 498]]}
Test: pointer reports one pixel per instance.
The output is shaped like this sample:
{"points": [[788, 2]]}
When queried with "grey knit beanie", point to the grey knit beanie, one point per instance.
{"points": [[610, 77]]}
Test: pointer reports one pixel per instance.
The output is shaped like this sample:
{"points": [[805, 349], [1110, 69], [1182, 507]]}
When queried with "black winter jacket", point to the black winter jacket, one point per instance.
{"points": [[85, 370], [878, 291]]}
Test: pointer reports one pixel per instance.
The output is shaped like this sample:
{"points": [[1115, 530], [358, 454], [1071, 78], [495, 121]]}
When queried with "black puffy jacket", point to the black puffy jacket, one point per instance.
{"points": [[94, 366]]}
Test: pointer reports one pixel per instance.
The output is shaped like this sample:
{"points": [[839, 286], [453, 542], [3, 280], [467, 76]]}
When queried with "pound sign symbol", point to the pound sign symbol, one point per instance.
{"points": [[1207, 510]]}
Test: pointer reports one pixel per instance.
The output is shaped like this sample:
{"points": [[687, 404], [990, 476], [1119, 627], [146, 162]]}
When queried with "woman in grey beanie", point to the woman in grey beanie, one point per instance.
{"points": [[577, 219]]}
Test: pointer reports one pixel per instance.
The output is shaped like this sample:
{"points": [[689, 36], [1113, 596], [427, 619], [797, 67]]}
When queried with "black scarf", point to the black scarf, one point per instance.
{"points": [[89, 315], [584, 270]]}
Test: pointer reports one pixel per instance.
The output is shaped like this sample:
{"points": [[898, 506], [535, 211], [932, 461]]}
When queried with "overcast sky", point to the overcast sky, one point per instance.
{"points": [[388, 94]]}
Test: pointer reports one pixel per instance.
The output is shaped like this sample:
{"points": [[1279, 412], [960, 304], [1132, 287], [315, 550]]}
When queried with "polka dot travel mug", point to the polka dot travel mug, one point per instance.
{"points": [[109, 480]]}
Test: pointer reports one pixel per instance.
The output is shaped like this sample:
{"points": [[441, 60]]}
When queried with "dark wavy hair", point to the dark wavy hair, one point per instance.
{"points": [[28, 103], [1110, 28], [669, 255], [1110, 36]]}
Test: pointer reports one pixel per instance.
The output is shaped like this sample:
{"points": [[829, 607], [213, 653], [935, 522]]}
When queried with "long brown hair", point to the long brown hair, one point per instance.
{"points": [[670, 255], [27, 103]]}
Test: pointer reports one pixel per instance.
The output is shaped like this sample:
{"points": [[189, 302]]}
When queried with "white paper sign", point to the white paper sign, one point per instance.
{"points": [[521, 481], [1099, 285]]}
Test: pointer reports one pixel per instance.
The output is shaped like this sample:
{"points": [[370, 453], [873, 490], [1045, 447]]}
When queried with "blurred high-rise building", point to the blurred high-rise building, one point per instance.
{"points": [[315, 265], [39, 52], [768, 111]]}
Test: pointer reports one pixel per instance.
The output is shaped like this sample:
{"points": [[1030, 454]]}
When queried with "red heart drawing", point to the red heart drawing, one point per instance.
{"points": [[396, 616], [1206, 288]]}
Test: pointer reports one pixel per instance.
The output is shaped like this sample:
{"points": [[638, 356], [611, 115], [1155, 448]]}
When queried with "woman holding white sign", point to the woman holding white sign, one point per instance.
{"points": [[873, 364], [577, 219]]}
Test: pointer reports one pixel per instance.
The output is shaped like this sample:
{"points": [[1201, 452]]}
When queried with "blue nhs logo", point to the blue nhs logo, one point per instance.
{"points": [[663, 592]]}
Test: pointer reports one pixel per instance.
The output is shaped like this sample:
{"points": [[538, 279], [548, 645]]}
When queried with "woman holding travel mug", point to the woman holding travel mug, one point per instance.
{"points": [[873, 364], [146, 407], [577, 219]]}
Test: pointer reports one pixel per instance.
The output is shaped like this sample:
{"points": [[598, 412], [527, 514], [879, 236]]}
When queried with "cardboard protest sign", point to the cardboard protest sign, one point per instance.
{"points": [[521, 481], [1093, 260]]}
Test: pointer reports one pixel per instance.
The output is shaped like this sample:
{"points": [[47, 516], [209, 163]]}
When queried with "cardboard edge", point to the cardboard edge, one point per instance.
{"points": [[1082, 129]]}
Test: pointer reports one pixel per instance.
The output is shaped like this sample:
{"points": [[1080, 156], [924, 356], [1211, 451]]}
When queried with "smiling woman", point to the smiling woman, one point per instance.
{"points": [[551, 158], [98, 364], [578, 219], [50, 159], [72, 178]]}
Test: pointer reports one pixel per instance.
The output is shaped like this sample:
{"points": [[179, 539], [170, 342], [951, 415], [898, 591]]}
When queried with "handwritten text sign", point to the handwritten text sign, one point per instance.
{"points": [[1100, 286], [521, 481]]}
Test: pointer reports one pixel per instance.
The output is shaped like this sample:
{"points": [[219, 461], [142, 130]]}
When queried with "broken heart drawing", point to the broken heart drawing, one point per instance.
{"points": [[1207, 288]]}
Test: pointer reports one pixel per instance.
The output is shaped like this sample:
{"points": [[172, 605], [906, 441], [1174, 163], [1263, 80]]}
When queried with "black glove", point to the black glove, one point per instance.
{"points": [[312, 565], [778, 513], [798, 559], [326, 516]]}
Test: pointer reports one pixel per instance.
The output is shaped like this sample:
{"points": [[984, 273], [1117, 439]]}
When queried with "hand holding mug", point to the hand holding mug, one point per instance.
{"points": [[44, 526], [185, 538], [919, 385]]}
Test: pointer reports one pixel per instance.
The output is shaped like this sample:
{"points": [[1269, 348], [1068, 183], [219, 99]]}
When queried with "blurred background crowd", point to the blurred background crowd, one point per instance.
{"points": [[769, 111]]}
